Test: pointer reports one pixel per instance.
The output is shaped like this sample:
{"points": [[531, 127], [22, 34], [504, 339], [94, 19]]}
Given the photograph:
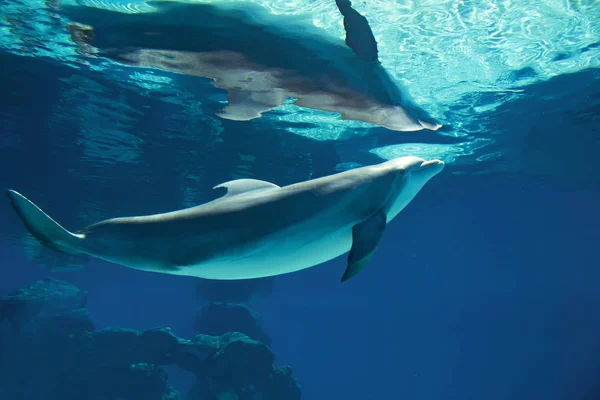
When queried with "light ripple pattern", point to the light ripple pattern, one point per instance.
{"points": [[450, 54]]}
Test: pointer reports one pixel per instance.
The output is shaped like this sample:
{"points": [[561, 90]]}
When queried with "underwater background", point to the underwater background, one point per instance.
{"points": [[484, 287]]}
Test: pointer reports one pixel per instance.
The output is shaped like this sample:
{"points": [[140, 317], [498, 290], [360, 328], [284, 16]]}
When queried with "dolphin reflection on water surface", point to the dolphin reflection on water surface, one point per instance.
{"points": [[259, 59]]}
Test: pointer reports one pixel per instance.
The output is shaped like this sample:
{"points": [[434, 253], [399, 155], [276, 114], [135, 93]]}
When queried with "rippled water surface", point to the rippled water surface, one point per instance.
{"points": [[463, 61]]}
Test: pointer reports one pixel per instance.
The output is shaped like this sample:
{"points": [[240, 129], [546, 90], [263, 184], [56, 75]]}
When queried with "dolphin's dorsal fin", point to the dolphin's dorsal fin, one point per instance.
{"points": [[365, 238], [359, 36], [244, 185]]}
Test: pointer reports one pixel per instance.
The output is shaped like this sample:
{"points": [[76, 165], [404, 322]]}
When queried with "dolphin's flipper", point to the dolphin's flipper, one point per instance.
{"points": [[248, 103], [244, 185], [365, 237], [359, 36]]}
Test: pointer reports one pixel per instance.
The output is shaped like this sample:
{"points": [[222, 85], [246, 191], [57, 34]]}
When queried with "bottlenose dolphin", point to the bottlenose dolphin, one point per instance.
{"points": [[257, 229], [260, 60]]}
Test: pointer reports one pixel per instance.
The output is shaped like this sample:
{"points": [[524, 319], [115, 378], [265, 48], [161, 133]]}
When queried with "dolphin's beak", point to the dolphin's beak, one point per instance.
{"points": [[430, 125], [432, 166]]}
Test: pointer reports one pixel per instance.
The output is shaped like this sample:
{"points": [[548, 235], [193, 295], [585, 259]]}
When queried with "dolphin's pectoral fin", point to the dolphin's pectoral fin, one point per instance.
{"points": [[248, 104], [244, 185], [359, 36], [365, 237]]}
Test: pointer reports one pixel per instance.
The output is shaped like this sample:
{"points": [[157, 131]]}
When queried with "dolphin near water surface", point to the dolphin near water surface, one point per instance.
{"points": [[257, 229], [259, 59]]}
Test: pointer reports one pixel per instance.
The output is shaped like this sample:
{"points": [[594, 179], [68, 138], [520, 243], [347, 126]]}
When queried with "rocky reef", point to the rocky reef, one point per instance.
{"points": [[220, 318], [49, 349]]}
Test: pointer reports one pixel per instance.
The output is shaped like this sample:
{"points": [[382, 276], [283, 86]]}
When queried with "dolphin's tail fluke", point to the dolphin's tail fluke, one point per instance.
{"points": [[47, 231]]}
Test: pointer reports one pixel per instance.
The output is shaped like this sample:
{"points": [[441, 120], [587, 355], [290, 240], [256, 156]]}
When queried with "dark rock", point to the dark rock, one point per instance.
{"points": [[69, 322], [240, 360], [159, 346], [219, 318], [135, 381], [44, 298], [193, 354], [116, 347], [282, 385], [52, 352], [55, 354], [202, 390]]}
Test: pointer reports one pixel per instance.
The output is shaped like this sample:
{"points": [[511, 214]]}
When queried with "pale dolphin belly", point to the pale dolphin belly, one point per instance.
{"points": [[288, 251], [320, 238], [297, 247], [285, 252]]}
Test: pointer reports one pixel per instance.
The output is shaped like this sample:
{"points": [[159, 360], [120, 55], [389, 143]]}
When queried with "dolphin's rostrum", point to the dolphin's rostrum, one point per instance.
{"points": [[257, 229]]}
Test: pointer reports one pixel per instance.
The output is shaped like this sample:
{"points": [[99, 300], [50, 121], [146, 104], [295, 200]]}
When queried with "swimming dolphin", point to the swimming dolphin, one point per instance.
{"points": [[257, 229], [260, 60]]}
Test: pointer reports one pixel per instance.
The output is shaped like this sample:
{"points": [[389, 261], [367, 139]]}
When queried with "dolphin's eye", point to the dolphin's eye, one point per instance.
{"points": [[400, 176]]}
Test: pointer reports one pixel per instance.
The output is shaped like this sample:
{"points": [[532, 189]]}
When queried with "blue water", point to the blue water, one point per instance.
{"points": [[484, 287]]}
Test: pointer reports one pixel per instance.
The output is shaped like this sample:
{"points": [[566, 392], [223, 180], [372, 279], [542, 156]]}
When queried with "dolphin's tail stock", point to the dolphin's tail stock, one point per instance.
{"points": [[47, 231]]}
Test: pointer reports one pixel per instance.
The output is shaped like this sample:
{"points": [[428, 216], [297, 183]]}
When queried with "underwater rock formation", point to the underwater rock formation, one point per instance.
{"points": [[226, 310], [220, 318], [50, 350], [43, 300]]}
